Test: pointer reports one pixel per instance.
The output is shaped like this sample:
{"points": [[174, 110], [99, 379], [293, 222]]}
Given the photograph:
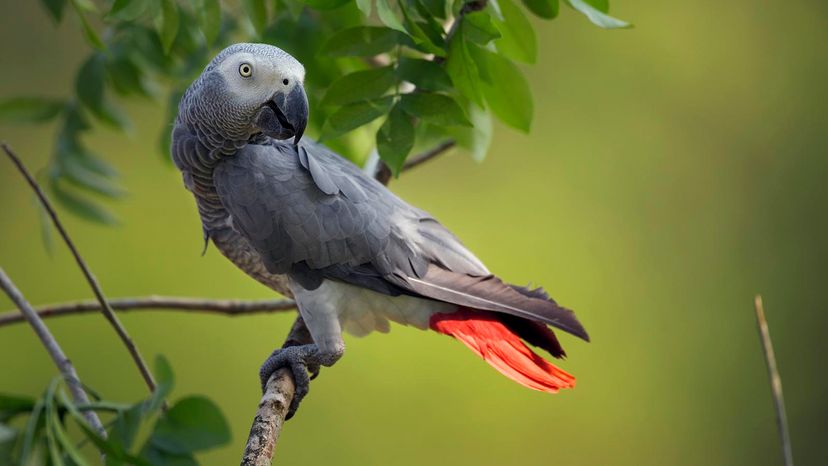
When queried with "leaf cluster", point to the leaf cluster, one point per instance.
{"points": [[386, 74], [52, 430]]}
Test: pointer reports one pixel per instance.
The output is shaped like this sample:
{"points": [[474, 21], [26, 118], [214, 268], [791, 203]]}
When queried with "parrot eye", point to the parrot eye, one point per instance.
{"points": [[285, 82], [246, 70]]}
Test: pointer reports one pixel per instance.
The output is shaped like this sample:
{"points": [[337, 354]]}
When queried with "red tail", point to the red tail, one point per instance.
{"points": [[502, 349]]}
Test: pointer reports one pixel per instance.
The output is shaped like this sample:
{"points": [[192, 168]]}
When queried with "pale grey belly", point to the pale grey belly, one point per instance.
{"points": [[361, 311]]}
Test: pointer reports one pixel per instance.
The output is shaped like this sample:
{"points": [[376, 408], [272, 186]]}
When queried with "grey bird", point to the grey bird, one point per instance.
{"points": [[310, 224]]}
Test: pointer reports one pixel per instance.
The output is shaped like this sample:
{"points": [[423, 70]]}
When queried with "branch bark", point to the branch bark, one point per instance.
{"points": [[775, 382], [230, 307], [383, 174], [273, 407], [67, 370], [93, 282]]}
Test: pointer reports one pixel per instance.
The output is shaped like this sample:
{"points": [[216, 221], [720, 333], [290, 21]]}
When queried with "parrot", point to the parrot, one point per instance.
{"points": [[311, 225]]}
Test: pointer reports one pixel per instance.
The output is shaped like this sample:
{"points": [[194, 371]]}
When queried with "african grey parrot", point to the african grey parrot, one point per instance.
{"points": [[310, 224]]}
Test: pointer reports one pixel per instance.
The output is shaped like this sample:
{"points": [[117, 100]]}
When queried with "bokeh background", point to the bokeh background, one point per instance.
{"points": [[673, 171]]}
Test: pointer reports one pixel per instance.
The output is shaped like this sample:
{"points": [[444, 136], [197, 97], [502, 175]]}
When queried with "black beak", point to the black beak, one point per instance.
{"points": [[285, 115]]}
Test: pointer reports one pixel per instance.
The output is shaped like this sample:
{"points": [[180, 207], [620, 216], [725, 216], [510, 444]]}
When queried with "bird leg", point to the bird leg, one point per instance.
{"points": [[301, 360]]}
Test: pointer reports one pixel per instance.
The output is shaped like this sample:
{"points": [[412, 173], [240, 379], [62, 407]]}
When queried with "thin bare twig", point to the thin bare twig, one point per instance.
{"points": [[775, 381], [383, 174], [67, 370], [93, 282], [230, 307]]}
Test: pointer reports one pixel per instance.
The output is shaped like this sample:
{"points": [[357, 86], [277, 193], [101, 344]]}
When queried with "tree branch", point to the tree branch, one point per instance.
{"points": [[383, 174], [775, 381], [67, 370], [93, 282], [273, 407], [231, 307]]}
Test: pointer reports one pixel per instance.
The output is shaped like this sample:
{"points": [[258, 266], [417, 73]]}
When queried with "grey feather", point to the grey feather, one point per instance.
{"points": [[324, 219]]}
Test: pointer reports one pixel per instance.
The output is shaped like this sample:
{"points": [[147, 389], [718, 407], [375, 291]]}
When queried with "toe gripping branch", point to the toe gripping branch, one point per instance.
{"points": [[304, 360]]}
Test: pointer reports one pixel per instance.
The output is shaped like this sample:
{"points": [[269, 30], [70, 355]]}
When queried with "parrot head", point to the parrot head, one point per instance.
{"points": [[249, 89]]}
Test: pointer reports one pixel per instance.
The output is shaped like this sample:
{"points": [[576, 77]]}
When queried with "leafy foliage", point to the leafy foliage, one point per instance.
{"points": [[426, 69], [423, 65], [191, 425]]}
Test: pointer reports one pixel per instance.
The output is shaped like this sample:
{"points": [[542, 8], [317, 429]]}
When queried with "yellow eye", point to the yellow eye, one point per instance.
{"points": [[246, 70]]}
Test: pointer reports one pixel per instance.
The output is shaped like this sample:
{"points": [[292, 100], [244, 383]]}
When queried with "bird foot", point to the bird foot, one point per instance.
{"points": [[304, 362]]}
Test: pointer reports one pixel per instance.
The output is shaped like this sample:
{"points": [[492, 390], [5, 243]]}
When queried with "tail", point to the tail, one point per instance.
{"points": [[499, 343]]}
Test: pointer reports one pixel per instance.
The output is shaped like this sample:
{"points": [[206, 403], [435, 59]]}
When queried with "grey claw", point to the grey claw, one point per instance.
{"points": [[314, 370], [295, 358]]}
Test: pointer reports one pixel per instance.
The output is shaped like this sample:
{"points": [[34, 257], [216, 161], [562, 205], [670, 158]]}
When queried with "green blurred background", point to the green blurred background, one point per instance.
{"points": [[673, 171]]}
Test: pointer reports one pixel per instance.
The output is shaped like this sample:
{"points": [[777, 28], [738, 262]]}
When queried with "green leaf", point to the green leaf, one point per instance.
{"points": [[165, 380], [428, 35], [11, 405], [479, 28], [168, 24], [126, 77], [598, 17], [354, 115], [128, 10], [360, 85], [159, 457], [80, 206], [325, 4], [62, 438], [425, 74], [547, 9], [193, 424], [437, 109], [113, 450], [395, 139], [29, 109], [75, 171], [210, 20], [89, 32], [55, 8], [125, 426], [462, 68], [517, 39], [33, 426], [365, 7], [89, 85], [506, 90], [435, 8], [257, 13], [478, 138], [90, 82], [51, 441], [388, 17], [364, 41]]}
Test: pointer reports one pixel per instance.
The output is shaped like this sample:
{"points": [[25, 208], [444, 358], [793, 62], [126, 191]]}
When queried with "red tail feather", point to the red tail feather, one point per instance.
{"points": [[502, 349]]}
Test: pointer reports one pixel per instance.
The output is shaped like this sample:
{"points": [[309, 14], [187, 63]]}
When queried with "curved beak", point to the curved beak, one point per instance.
{"points": [[285, 115]]}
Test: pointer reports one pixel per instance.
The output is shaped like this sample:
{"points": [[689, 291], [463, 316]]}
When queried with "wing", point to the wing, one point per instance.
{"points": [[315, 215], [308, 211]]}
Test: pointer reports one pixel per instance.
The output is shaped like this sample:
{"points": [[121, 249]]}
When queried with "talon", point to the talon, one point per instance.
{"points": [[314, 370], [296, 359]]}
